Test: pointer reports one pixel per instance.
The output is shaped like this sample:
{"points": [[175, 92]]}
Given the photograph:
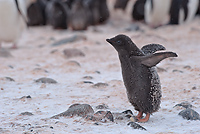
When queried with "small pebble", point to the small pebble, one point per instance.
{"points": [[184, 104], [135, 126], [102, 106], [88, 77], [100, 85], [46, 80], [72, 52], [179, 71], [26, 113], [101, 116], [28, 97], [88, 82]]}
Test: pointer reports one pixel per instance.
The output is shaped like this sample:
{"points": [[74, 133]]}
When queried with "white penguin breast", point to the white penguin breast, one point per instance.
{"points": [[11, 23]]}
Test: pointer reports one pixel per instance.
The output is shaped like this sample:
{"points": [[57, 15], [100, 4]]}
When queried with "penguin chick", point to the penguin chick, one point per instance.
{"points": [[57, 14], [139, 75]]}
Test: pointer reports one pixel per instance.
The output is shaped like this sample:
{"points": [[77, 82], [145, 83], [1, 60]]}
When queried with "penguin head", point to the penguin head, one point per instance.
{"points": [[124, 45]]}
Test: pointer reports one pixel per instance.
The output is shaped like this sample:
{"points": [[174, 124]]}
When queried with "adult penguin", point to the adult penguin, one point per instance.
{"points": [[183, 11], [13, 20], [156, 12], [138, 10]]}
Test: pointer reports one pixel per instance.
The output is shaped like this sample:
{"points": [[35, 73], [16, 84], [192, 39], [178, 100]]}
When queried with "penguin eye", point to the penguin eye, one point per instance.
{"points": [[118, 42]]}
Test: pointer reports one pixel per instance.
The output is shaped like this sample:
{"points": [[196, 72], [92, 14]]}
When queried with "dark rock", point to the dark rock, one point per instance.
{"points": [[125, 115], [135, 126], [10, 66], [53, 51], [189, 114], [179, 71], [98, 72], [101, 116], [187, 67], [100, 85], [88, 82], [128, 112], [46, 80], [102, 106], [81, 110], [51, 127], [69, 40], [5, 53], [69, 53], [28, 97], [8, 79], [184, 104], [88, 77], [26, 113]]}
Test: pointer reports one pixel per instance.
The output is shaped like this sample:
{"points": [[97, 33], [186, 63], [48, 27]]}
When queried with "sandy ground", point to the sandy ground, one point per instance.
{"points": [[36, 58]]}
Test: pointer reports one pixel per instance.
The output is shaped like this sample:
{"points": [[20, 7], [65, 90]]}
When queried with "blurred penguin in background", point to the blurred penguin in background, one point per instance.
{"points": [[121, 4], [57, 14], [13, 16], [36, 13], [183, 11], [103, 11], [156, 12], [138, 10], [78, 19]]}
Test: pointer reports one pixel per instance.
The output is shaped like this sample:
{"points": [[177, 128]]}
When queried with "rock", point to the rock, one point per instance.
{"points": [[26, 113], [159, 69], [184, 104], [179, 71], [100, 85], [28, 97], [125, 115], [81, 110], [40, 70], [46, 80], [135, 126], [101, 116], [7, 79], [74, 38], [102, 106], [189, 114], [5, 53], [133, 27], [187, 67], [73, 63], [88, 77], [72, 52], [88, 82]]}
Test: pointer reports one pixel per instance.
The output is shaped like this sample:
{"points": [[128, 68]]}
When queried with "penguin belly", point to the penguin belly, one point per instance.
{"points": [[11, 24], [157, 13]]}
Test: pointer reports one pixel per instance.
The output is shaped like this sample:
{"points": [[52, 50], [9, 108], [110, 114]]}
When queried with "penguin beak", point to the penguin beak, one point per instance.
{"points": [[109, 41]]}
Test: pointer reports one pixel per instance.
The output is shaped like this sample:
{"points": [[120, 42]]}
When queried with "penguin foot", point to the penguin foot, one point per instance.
{"points": [[139, 115], [145, 119]]}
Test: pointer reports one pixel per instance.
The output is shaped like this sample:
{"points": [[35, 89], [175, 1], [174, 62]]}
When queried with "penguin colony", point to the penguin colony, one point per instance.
{"points": [[61, 14]]}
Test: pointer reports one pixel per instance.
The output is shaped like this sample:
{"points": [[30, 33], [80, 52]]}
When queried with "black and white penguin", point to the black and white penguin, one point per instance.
{"points": [[57, 13], [156, 12], [12, 23], [138, 10], [139, 73], [121, 4], [36, 13], [103, 11], [183, 11]]}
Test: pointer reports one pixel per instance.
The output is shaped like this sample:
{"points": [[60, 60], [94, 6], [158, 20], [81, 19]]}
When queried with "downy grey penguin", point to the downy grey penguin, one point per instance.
{"points": [[139, 73]]}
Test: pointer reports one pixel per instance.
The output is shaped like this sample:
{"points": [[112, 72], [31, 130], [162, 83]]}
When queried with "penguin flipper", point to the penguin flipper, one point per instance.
{"points": [[153, 59], [152, 48]]}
